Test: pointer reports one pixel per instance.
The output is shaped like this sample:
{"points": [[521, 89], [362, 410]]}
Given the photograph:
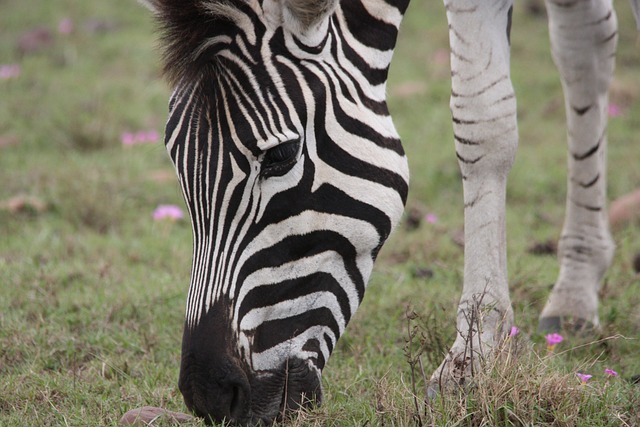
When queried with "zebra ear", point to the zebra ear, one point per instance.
{"points": [[310, 12]]}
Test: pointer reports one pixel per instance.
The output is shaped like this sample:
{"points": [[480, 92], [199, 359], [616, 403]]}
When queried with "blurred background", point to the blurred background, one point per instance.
{"points": [[95, 251]]}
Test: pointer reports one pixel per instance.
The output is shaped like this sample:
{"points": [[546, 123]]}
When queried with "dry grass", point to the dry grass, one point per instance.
{"points": [[521, 384], [518, 385]]}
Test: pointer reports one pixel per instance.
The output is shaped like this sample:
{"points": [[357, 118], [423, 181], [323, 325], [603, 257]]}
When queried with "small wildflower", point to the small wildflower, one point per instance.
{"points": [[141, 137], [65, 26], [514, 331], [614, 110], [150, 136], [583, 377], [167, 212], [128, 138], [611, 372], [442, 57], [553, 340], [9, 71], [431, 218]]}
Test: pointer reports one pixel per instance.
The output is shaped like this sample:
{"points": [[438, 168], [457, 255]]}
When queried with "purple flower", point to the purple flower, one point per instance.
{"points": [[128, 138], [514, 331], [150, 136], [167, 212], [140, 137], [552, 340], [65, 26], [583, 377], [431, 218], [9, 71], [614, 110], [611, 372]]}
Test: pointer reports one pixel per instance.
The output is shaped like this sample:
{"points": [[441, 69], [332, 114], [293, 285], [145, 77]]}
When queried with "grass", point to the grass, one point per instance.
{"points": [[92, 291]]}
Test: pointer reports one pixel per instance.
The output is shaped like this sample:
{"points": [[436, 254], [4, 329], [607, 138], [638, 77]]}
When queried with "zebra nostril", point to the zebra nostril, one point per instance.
{"points": [[220, 394], [230, 399], [238, 404], [222, 400]]}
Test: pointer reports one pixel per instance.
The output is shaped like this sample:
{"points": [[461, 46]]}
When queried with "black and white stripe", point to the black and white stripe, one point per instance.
{"points": [[293, 175]]}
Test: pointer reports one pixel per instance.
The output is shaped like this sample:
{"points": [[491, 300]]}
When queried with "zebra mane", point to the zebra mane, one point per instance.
{"points": [[189, 28]]}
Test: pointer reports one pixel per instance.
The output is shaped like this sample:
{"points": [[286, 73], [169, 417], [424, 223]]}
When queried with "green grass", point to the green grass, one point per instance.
{"points": [[92, 291]]}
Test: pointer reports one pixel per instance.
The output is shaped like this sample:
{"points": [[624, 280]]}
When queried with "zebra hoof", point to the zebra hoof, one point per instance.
{"points": [[571, 325]]}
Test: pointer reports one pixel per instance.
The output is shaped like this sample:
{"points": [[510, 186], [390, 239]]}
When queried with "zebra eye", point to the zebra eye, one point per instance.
{"points": [[278, 160]]}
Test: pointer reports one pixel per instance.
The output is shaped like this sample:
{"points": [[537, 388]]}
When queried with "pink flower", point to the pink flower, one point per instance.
{"points": [[140, 137], [9, 71], [611, 372], [65, 26], [150, 136], [167, 212], [614, 110], [431, 218], [442, 57], [583, 377], [553, 340], [128, 138], [514, 331]]}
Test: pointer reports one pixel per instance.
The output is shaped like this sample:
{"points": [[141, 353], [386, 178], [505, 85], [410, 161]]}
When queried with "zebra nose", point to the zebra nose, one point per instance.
{"points": [[238, 405], [221, 394]]}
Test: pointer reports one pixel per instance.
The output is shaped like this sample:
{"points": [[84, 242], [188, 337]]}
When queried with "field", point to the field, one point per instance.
{"points": [[92, 289]]}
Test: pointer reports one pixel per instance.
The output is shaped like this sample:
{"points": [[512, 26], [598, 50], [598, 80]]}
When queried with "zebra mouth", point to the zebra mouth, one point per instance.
{"points": [[278, 393], [220, 386], [252, 398]]}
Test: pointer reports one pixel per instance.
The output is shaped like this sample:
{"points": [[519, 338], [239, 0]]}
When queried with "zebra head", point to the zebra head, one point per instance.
{"points": [[293, 175]]}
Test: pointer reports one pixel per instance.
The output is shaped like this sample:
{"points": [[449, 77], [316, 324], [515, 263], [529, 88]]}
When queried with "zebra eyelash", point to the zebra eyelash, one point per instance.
{"points": [[278, 160]]}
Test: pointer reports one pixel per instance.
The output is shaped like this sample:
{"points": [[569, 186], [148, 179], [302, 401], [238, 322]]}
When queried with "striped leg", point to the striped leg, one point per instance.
{"points": [[583, 41], [483, 110]]}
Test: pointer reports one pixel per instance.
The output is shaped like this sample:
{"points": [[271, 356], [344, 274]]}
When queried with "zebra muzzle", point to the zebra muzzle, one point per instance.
{"points": [[217, 392], [219, 385]]}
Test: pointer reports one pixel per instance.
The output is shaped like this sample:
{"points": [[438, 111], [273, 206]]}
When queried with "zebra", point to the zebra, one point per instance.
{"points": [[294, 175], [583, 35]]}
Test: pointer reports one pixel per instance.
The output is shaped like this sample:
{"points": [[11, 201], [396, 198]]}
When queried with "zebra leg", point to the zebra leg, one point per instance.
{"points": [[483, 107], [583, 42]]}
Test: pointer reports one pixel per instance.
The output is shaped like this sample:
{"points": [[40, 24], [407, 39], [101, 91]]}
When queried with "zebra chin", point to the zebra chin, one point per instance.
{"points": [[219, 386], [251, 399]]}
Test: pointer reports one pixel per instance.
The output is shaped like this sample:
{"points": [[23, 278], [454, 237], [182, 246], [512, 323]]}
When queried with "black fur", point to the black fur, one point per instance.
{"points": [[185, 26]]}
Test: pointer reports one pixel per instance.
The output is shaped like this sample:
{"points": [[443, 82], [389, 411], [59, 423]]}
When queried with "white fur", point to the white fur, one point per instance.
{"points": [[484, 111]]}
